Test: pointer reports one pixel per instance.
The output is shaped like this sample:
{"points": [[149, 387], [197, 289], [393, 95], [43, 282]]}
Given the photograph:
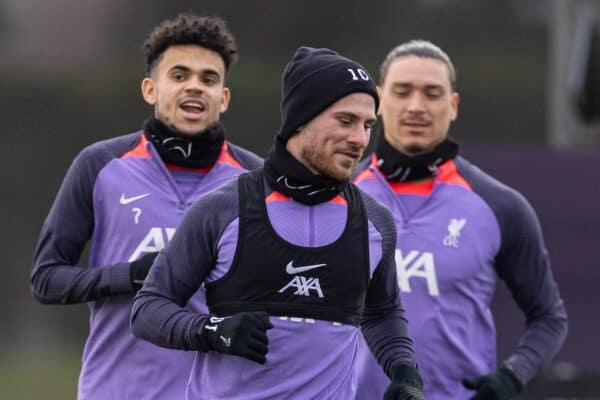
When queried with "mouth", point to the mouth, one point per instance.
{"points": [[352, 156], [192, 109], [416, 126]]}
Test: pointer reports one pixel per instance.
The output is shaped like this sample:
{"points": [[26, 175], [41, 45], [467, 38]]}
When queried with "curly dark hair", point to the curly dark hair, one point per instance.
{"points": [[207, 32]]}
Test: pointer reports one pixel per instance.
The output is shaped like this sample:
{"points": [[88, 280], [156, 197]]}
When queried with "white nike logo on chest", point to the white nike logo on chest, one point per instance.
{"points": [[128, 200], [290, 269]]}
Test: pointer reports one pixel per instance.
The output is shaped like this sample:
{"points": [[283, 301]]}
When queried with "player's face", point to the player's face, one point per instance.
{"points": [[417, 104], [332, 143], [187, 88]]}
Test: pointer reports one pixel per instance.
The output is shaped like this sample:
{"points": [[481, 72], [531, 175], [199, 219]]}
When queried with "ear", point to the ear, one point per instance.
{"points": [[225, 98], [380, 94], [454, 103], [149, 91]]}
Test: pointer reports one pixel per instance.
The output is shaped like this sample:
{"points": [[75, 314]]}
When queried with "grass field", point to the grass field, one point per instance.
{"points": [[51, 375]]}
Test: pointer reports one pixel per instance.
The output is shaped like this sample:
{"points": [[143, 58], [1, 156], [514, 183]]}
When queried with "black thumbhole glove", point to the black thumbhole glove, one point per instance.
{"points": [[138, 270], [243, 334], [502, 384], [407, 384]]}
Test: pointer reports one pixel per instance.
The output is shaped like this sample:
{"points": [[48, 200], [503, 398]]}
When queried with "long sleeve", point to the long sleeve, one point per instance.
{"points": [[56, 278], [524, 265], [158, 313], [384, 324]]}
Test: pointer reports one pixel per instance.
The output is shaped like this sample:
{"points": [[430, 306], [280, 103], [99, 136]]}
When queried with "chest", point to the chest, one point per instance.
{"points": [[446, 239], [137, 206]]}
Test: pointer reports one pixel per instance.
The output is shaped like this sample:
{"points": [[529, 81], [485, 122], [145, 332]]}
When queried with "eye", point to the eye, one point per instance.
{"points": [[401, 93], [433, 93], [345, 121], [178, 76], [210, 80]]}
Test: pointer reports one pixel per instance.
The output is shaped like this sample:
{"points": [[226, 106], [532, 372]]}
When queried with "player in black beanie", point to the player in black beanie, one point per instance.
{"points": [[305, 259]]}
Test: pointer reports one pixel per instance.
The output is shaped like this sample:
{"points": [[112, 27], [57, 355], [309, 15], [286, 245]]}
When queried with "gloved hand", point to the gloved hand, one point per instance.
{"points": [[406, 384], [501, 384], [243, 334], [138, 270]]}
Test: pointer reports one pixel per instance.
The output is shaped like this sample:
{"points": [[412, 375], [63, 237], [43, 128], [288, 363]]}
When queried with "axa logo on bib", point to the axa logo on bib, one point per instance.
{"points": [[302, 284]]}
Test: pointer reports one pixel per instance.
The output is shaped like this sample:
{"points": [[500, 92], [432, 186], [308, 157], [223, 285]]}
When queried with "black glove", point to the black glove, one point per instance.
{"points": [[243, 334], [138, 270], [501, 384], [406, 384]]}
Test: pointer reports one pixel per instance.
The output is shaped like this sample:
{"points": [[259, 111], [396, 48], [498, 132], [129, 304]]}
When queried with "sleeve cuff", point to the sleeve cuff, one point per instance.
{"points": [[119, 281]]}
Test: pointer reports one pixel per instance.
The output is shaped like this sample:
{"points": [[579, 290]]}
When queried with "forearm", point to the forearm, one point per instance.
{"points": [[163, 322], [387, 335], [541, 340], [66, 284]]}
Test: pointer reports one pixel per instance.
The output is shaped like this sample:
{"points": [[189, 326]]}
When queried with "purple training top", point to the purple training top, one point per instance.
{"points": [[120, 194], [308, 358], [455, 236]]}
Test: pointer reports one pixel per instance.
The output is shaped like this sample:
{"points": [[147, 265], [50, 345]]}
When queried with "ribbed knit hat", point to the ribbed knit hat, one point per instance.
{"points": [[315, 79]]}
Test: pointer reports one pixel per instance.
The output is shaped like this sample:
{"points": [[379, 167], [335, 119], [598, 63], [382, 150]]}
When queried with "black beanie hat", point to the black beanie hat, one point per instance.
{"points": [[313, 80]]}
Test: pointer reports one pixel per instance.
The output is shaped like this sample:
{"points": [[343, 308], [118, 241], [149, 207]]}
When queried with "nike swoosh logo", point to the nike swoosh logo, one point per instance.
{"points": [[127, 200], [290, 269]]}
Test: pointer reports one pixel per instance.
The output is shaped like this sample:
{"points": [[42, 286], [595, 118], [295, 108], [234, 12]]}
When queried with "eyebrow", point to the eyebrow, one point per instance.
{"points": [[407, 85], [352, 116], [184, 68]]}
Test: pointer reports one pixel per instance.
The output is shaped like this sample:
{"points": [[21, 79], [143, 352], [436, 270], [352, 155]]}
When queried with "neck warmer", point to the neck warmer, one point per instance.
{"points": [[399, 167], [287, 175], [200, 150]]}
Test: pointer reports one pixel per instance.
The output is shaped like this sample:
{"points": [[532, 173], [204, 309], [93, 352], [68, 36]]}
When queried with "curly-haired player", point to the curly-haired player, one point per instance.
{"points": [[127, 195]]}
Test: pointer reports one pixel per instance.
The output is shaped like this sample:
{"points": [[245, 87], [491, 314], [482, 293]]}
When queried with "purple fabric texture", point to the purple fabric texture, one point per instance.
{"points": [[307, 358], [119, 195], [449, 253]]}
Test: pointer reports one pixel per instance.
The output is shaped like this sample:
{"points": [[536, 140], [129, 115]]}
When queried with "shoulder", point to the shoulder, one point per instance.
{"points": [[88, 164], [516, 218], [501, 198], [223, 203], [100, 153], [378, 214], [247, 159]]}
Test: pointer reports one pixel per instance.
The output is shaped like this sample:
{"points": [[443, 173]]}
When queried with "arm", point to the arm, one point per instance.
{"points": [[384, 324], [524, 265], [55, 278], [158, 314]]}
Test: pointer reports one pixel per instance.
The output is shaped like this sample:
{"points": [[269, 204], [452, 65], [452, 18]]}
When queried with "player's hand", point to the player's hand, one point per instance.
{"points": [[243, 334], [406, 384], [138, 270], [501, 384]]}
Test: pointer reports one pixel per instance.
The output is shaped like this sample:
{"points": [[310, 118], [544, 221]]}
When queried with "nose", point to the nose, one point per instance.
{"points": [[416, 103], [360, 137], [194, 84]]}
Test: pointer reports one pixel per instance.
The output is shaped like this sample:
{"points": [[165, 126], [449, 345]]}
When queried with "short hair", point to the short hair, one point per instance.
{"points": [[208, 32], [418, 48]]}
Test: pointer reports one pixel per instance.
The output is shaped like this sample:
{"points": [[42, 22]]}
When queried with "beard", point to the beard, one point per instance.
{"points": [[322, 164], [414, 149]]}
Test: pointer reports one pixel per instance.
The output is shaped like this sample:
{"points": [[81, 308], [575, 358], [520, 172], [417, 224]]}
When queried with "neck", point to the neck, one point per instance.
{"points": [[402, 167], [289, 176], [199, 150]]}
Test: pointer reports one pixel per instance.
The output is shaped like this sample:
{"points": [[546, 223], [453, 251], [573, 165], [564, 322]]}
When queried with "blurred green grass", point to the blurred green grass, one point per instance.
{"points": [[49, 374]]}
